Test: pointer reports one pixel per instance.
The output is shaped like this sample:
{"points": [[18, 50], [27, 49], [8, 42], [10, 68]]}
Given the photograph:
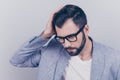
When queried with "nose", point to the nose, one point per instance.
{"points": [[67, 43]]}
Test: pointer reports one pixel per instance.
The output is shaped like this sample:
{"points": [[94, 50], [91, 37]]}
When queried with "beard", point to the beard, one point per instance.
{"points": [[76, 51]]}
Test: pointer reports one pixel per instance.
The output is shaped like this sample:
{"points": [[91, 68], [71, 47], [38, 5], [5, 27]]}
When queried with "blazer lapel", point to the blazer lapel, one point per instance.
{"points": [[48, 64], [61, 64], [49, 60], [98, 62]]}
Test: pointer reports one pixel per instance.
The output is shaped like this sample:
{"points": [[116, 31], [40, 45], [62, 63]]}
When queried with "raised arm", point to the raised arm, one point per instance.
{"points": [[29, 54]]}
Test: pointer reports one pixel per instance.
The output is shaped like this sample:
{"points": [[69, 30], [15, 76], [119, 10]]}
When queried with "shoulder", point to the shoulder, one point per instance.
{"points": [[105, 49], [110, 53]]}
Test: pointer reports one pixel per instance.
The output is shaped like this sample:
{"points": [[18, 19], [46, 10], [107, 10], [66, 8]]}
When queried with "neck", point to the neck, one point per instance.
{"points": [[86, 53]]}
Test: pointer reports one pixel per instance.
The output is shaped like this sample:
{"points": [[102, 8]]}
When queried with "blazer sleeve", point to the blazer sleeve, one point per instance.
{"points": [[118, 75], [28, 55]]}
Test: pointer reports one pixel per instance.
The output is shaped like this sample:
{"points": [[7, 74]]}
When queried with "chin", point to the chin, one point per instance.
{"points": [[73, 53]]}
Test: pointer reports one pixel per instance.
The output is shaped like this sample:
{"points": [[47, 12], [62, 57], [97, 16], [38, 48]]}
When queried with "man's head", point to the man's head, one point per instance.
{"points": [[69, 12], [70, 26]]}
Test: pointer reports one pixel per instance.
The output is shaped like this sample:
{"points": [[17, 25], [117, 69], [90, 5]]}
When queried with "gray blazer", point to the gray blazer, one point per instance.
{"points": [[52, 59]]}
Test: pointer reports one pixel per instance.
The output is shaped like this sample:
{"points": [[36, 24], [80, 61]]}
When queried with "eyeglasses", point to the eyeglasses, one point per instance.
{"points": [[70, 38]]}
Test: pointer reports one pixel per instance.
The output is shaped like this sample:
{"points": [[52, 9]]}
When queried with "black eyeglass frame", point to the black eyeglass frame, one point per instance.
{"points": [[69, 36]]}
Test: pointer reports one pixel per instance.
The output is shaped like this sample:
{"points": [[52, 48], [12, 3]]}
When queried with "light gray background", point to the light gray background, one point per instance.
{"points": [[22, 19]]}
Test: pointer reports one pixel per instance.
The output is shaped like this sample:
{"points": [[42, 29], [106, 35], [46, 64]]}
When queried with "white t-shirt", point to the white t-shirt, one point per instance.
{"points": [[78, 69]]}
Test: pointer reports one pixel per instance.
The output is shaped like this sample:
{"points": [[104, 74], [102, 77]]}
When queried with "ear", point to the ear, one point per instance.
{"points": [[86, 30]]}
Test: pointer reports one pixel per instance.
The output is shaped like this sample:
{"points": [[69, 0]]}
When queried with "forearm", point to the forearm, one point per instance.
{"points": [[29, 54]]}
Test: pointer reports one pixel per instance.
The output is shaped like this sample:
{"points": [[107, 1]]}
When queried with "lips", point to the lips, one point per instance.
{"points": [[71, 50]]}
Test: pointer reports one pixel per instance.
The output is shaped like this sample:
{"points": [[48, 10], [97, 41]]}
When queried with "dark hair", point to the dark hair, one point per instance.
{"points": [[69, 11]]}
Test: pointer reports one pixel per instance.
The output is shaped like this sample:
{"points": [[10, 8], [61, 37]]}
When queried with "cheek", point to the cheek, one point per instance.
{"points": [[79, 40], [77, 43]]}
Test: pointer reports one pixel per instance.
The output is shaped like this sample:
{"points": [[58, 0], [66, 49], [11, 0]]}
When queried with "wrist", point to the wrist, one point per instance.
{"points": [[45, 35]]}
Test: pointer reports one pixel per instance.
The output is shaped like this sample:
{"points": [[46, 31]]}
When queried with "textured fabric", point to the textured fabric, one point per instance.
{"points": [[52, 60]]}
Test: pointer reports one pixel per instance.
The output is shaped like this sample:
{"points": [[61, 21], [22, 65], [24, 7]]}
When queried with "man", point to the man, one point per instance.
{"points": [[64, 51]]}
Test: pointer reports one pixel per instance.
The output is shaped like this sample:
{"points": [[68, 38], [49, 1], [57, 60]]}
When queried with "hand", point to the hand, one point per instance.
{"points": [[48, 32]]}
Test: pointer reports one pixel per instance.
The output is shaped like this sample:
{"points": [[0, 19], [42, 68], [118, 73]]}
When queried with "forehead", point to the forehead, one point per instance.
{"points": [[68, 28]]}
